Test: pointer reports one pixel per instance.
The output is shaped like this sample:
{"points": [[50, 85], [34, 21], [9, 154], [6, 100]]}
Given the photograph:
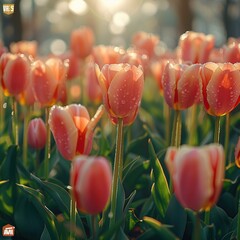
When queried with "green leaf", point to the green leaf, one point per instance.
{"points": [[45, 234], [160, 190], [175, 212], [161, 230]]}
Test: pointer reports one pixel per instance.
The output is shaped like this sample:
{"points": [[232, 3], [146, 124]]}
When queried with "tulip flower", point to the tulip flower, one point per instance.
{"points": [[231, 52], [181, 85], [145, 42], [197, 174], [48, 79], [28, 48], [37, 133], [195, 47], [219, 87], [237, 153], [122, 87], [91, 183], [72, 129], [81, 41], [15, 71]]}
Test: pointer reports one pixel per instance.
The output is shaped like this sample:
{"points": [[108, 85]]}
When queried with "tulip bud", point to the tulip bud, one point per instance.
{"points": [[197, 174], [195, 47], [219, 87], [122, 87], [91, 179], [181, 85], [37, 133], [72, 129]]}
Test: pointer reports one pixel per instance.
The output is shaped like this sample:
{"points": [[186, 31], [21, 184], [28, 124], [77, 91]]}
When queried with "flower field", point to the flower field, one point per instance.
{"points": [[104, 142]]}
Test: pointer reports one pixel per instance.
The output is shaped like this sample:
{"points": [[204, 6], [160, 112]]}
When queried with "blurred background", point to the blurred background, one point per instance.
{"points": [[115, 21]]}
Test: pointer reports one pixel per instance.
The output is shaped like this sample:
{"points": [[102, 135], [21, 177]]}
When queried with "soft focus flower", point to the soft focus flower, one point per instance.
{"points": [[15, 73], [91, 183], [93, 89], [28, 48], [72, 129], [2, 48], [36, 133], [102, 55], [231, 52], [237, 153], [195, 47], [81, 41], [48, 79], [180, 84], [219, 87], [122, 87], [145, 42], [197, 174]]}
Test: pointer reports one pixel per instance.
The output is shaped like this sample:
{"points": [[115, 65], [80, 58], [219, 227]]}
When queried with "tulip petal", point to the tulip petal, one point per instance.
{"points": [[64, 131], [237, 153], [125, 90], [223, 90]]}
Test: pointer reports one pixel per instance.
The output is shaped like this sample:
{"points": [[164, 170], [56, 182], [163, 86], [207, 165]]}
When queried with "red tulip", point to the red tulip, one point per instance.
{"points": [[81, 42], [37, 133], [220, 87], [72, 129], [195, 47], [122, 87], [91, 183], [15, 71], [197, 174], [181, 85], [237, 153]]}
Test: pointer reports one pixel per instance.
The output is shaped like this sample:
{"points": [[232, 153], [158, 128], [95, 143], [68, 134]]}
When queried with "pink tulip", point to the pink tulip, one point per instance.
{"points": [[72, 129], [197, 174], [181, 85], [48, 79], [91, 183], [37, 133], [145, 43], [195, 47], [81, 42], [231, 52], [220, 87], [15, 73], [237, 153], [122, 87]]}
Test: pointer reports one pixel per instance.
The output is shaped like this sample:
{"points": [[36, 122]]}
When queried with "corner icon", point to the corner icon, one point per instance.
{"points": [[8, 230]]}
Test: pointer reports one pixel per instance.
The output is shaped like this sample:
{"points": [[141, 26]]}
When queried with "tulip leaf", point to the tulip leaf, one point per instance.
{"points": [[161, 230], [160, 190]]}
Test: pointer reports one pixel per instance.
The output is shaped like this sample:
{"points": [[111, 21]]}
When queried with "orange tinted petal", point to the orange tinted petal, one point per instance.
{"points": [[64, 131]]}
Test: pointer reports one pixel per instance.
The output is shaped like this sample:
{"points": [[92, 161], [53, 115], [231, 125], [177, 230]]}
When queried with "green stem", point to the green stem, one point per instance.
{"points": [[166, 112], [217, 130], [227, 129], [25, 144], [14, 120], [117, 170], [207, 217], [197, 228], [72, 217], [48, 144], [177, 129], [192, 124], [94, 232]]}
